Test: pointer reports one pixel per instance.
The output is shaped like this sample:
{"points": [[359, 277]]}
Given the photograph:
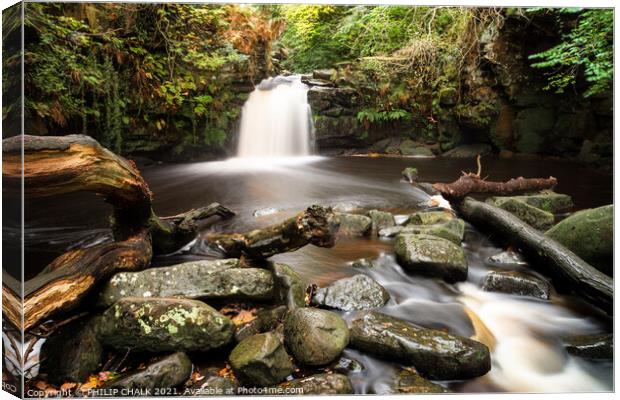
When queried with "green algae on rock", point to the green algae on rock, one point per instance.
{"points": [[159, 325]]}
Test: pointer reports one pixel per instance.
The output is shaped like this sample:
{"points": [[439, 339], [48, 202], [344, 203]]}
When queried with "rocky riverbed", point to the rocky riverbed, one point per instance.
{"points": [[412, 299]]}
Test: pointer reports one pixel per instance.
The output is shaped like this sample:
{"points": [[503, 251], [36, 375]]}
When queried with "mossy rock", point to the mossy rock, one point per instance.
{"points": [[410, 174], [290, 288], [532, 126], [315, 337], [168, 372], [380, 220], [431, 256], [261, 360], [354, 224], [547, 201], [359, 292], [72, 353], [589, 234], [531, 215], [517, 283], [434, 354], [408, 381], [160, 325], [204, 279], [428, 218]]}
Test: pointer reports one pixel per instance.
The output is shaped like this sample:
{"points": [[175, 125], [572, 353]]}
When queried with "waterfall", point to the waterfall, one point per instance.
{"points": [[276, 120]]}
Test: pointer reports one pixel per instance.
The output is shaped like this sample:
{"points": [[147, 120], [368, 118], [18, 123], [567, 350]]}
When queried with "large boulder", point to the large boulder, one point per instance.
{"points": [[434, 354], [531, 215], [71, 353], [160, 325], [452, 230], [411, 148], [290, 288], [517, 283], [315, 337], [168, 372], [590, 235], [359, 292], [431, 256], [204, 279], [324, 384], [261, 360], [380, 220], [354, 224]]}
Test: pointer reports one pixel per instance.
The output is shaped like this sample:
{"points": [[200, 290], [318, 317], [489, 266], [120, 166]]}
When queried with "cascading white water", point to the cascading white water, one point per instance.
{"points": [[276, 120]]}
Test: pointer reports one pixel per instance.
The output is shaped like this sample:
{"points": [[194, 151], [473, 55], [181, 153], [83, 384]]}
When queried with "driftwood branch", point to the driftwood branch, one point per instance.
{"points": [[71, 276], [316, 225], [558, 262], [64, 164], [472, 183]]}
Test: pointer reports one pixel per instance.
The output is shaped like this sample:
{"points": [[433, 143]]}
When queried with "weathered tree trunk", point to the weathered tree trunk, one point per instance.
{"points": [[472, 183], [56, 165], [64, 282], [63, 164], [316, 225], [561, 264]]}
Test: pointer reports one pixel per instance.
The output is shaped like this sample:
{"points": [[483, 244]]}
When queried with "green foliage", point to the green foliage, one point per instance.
{"points": [[373, 116], [587, 46], [159, 70]]}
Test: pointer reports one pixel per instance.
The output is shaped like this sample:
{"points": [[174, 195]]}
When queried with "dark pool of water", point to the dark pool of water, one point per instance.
{"points": [[262, 194]]}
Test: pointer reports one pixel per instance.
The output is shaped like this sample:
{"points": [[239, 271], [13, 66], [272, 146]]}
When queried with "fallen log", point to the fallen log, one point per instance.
{"points": [[473, 183], [316, 225], [55, 165], [73, 275], [561, 264]]}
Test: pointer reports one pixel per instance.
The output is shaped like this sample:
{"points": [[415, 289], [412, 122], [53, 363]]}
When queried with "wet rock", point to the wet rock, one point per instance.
{"points": [[589, 234], [547, 201], [204, 279], [168, 372], [214, 385], [427, 188], [517, 283], [591, 346], [380, 220], [359, 292], [325, 74], [266, 320], [411, 148], [320, 384], [159, 325], [409, 381], [354, 224], [261, 360], [428, 218], [72, 353], [315, 337], [410, 174], [346, 365], [507, 258], [452, 230], [434, 354], [431, 256], [531, 215], [316, 82], [468, 151], [363, 263], [290, 288]]}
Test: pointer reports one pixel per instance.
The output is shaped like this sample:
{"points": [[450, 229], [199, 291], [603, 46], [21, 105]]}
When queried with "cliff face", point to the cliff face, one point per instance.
{"points": [[499, 100]]}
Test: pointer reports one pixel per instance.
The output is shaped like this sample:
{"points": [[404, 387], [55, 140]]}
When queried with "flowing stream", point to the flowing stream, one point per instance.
{"points": [[524, 334]]}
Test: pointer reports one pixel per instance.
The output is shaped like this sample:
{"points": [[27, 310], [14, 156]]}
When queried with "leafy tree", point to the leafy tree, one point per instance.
{"points": [[587, 47]]}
